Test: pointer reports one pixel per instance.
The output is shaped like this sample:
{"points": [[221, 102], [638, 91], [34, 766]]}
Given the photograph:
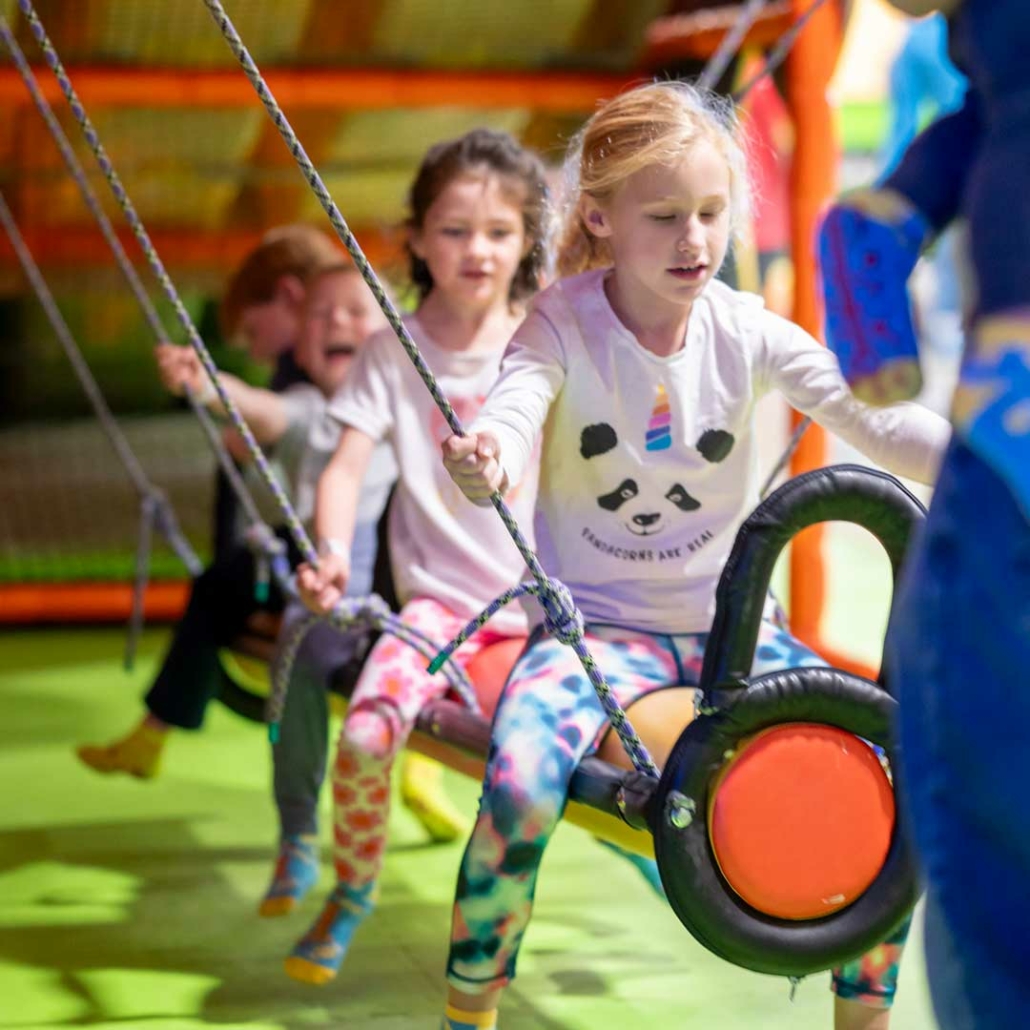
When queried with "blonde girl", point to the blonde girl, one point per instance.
{"points": [[642, 370]]}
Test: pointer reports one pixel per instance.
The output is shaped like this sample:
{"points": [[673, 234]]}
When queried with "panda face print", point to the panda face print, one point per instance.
{"points": [[641, 511], [635, 517]]}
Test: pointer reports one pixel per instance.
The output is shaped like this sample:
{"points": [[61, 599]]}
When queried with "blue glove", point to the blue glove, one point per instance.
{"points": [[869, 242]]}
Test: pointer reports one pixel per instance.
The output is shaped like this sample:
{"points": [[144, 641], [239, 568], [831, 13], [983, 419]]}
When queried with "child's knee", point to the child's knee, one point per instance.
{"points": [[369, 734], [519, 815]]}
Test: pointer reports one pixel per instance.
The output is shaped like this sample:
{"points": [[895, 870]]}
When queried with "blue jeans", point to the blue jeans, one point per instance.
{"points": [[959, 652]]}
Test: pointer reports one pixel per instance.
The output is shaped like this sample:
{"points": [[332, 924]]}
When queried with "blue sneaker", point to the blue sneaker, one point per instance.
{"points": [[317, 956], [296, 872]]}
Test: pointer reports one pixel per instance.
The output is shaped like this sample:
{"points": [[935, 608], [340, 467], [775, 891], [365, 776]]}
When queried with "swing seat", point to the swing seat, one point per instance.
{"points": [[773, 823]]}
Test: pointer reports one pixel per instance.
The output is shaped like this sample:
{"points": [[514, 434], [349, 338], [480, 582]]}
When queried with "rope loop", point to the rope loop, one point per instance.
{"points": [[372, 611], [564, 621]]}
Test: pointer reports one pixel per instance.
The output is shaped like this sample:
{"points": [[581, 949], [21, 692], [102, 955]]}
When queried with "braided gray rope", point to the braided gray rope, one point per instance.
{"points": [[779, 53], [370, 612], [176, 539], [79, 113], [150, 314], [717, 64], [553, 596], [788, 453], [730, 44]]}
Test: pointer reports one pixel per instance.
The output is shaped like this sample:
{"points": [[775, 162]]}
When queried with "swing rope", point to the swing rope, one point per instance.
{"points": [[779, 53], [268, 548], [150, 314], [730, 44], [155, 508], [157, 266], [561, 616], [370, 612], [792, 446], [775, 58]]}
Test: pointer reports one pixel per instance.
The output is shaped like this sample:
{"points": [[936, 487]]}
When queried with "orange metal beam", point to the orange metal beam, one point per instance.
{"points": [[36, 603], [336, 89], [83, 247], [675, 37]]}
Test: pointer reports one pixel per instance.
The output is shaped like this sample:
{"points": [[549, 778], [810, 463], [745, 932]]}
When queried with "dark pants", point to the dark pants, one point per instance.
{"points": [[221, 601]]}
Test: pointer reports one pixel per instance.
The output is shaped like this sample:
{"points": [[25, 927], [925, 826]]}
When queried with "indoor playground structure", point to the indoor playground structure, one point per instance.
{"points": [[147, 148]]}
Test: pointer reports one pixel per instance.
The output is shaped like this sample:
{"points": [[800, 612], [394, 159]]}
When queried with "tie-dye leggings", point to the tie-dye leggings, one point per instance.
{"points": [[547, 720], [393, 688]]}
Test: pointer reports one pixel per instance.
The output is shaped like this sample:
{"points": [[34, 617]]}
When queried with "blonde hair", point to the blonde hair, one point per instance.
{"points": [[657, 123]]}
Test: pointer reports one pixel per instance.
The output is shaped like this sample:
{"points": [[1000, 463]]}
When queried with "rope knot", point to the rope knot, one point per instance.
{"points": [[564, 621], [375, 609]]}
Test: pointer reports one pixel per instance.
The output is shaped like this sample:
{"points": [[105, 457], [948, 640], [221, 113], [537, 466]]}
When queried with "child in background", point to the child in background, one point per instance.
{"points": [[477, 248], [330, 312], [643, 372], [263, 303], [338, 315]]}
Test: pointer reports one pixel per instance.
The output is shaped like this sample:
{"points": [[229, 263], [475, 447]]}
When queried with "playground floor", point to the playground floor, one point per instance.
{"points": [[129, 905]]}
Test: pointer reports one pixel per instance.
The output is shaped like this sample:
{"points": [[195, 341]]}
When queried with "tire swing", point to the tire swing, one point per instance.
{"points": [[774, 821]]}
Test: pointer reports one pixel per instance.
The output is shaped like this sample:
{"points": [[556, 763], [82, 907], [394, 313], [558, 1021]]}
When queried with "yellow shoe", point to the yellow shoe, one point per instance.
{"points": [[138, 754], [423, 795]]}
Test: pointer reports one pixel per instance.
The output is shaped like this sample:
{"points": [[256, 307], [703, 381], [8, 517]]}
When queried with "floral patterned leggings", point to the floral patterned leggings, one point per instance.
{"points": [[547, 720], [393, 688]]}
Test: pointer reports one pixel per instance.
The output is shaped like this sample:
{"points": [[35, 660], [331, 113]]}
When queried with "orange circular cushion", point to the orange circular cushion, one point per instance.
{"points": [[489, 670], [800, 819]]}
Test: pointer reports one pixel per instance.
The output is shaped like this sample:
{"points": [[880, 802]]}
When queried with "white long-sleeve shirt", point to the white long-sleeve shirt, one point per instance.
{"points": [[649, 463]]}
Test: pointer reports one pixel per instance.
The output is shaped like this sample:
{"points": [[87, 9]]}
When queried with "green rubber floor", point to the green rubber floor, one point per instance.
{"points": [[132, 905]]}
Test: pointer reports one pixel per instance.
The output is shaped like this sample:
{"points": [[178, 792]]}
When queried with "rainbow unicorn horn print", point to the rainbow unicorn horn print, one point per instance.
{"points": [[659, 434]]}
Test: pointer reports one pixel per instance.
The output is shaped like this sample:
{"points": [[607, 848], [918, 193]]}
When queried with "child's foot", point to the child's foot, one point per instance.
{"points": [[457, 1019], [296, 872], [423, 795], [138, 754], [647, 867], [318, 955]]}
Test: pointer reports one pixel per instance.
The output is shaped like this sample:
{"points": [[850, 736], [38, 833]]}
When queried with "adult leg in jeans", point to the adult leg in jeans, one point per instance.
{"points": [[959, 648]]}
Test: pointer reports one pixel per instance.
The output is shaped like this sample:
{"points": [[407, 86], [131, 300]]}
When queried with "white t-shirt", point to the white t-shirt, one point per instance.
{"points": [[649, 464], [441, 545], [310, 440]]}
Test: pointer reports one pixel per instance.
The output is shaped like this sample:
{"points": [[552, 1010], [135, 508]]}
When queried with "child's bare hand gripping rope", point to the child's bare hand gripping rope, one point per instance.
{"points": [[322, 588], [473, 462], [180, 370]]}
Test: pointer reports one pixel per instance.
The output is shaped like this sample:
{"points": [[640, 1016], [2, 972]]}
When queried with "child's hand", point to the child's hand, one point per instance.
{"points": [[473, 463], [181, 370], [321, 589]]}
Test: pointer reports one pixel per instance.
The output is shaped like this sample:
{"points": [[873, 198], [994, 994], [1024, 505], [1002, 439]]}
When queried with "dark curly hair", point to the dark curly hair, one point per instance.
{"points": [[499, 153]]}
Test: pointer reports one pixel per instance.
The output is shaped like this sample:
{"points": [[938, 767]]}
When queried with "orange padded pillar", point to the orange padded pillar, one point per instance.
{"points": [[813, 181]]}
